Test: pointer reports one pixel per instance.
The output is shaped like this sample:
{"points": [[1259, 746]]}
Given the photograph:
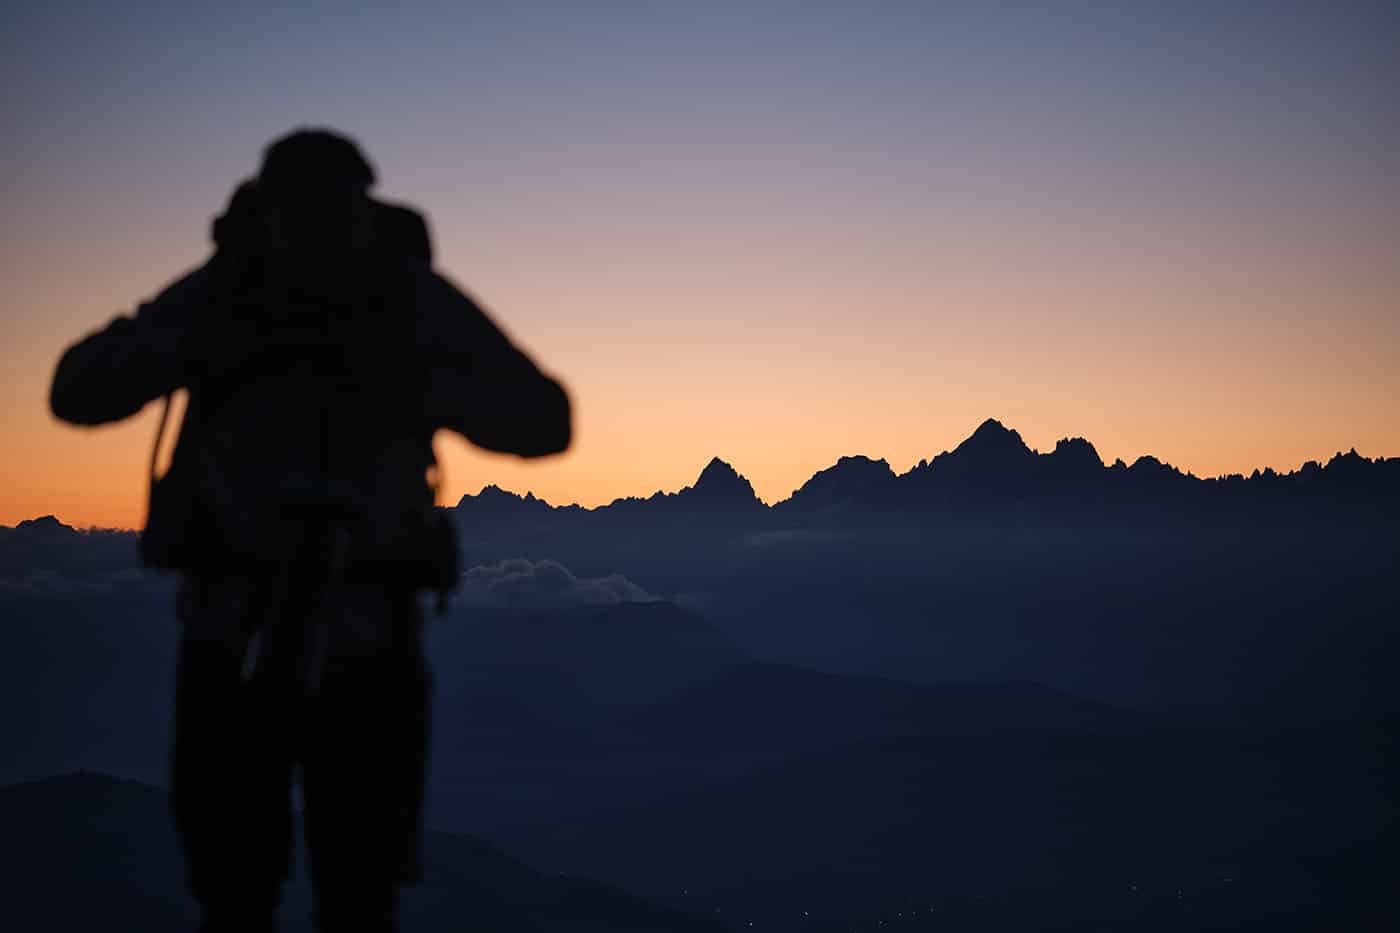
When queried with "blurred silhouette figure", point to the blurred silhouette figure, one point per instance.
{"points": [[320, 352]]}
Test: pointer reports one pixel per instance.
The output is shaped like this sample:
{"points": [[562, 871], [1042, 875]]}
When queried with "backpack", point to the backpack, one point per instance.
{"points": [[297, 457]]}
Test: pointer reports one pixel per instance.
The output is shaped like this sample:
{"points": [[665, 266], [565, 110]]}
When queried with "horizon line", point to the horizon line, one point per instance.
{"points": [[992, 423]]}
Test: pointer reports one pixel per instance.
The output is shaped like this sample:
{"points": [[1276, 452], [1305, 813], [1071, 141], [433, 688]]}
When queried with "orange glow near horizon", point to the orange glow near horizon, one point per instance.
{"points": [[773, 235], [779, 397]]}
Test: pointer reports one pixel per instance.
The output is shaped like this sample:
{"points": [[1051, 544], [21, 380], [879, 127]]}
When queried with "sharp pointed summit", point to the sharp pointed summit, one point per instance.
{"points": [[720, 484], [715, 469], [993, 441], [994, 427]]}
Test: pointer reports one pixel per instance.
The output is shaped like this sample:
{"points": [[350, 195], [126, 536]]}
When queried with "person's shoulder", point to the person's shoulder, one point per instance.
{"points": [[195, 276], [405, 229], [434, 290], [188, 289]]}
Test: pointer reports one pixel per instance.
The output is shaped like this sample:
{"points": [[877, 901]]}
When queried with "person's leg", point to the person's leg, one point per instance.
{"points": [[364, 759], [230, 771]]}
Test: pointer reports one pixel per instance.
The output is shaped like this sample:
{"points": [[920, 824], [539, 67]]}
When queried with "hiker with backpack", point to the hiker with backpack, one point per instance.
{"points": [[320, 352]]}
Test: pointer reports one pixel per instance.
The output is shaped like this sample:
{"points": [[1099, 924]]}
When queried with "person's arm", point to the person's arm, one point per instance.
{"points": [[479, 384], [112, 373]]}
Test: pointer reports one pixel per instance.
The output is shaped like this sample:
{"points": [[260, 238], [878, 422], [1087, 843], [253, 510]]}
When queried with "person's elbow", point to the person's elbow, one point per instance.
{"points": [[67, 400], [553, 423], [527, 418]]}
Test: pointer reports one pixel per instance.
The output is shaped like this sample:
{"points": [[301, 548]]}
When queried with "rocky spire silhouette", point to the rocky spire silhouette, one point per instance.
{"points": [[993, 443], [719, 484], [1077, 454]]}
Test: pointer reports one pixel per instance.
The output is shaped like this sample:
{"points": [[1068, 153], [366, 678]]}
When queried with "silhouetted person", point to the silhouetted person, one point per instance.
{"points": [[321, 352]]}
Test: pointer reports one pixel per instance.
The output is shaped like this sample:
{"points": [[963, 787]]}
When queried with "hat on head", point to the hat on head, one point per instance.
{"points": [[314, 171]]}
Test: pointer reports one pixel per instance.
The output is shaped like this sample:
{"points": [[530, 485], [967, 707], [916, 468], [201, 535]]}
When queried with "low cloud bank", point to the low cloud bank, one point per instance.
{"points": [[54, 583], [543, 584]]}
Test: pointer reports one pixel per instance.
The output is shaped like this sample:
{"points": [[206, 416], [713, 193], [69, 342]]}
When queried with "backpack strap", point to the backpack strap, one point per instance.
{"points": [[160, 437]]}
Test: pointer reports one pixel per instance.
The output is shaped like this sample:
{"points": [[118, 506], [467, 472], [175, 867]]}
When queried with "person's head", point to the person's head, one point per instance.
{"points": [[314, 186]]}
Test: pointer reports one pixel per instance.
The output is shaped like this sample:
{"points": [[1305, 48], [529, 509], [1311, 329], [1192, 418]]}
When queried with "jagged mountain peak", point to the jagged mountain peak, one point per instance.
{"points": [[857, 467], [43, 523], [994, 427], [993, 434], [1148, 465], [45, 527], [850, 477], [720, 482], [714, 469], [494, 500], [862, 462], [490, 494], [992, 442], [1076, 452], [491, 490]]}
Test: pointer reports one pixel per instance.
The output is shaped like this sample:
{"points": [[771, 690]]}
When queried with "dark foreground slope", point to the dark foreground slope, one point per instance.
{"points": [[85, 851], [1158, 829]]}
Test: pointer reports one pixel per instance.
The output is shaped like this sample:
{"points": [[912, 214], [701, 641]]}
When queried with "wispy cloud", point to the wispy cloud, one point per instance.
{"points": [[541, 584]]}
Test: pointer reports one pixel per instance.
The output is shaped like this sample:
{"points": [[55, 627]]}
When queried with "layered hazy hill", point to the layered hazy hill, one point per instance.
{"points": [[86, 851], [1008, 688], [1130, 582]]}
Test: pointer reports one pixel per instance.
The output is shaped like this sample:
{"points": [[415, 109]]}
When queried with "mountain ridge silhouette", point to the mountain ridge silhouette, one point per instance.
{"points": [[994, 460], [993, 464]]}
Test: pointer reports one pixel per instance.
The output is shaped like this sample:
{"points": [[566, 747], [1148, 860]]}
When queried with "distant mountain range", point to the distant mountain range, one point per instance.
{"points": [[992, 468], [991, 471]]}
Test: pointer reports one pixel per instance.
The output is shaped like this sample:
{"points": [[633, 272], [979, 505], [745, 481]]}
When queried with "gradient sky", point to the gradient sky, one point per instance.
{"points": [[778, 233]]}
